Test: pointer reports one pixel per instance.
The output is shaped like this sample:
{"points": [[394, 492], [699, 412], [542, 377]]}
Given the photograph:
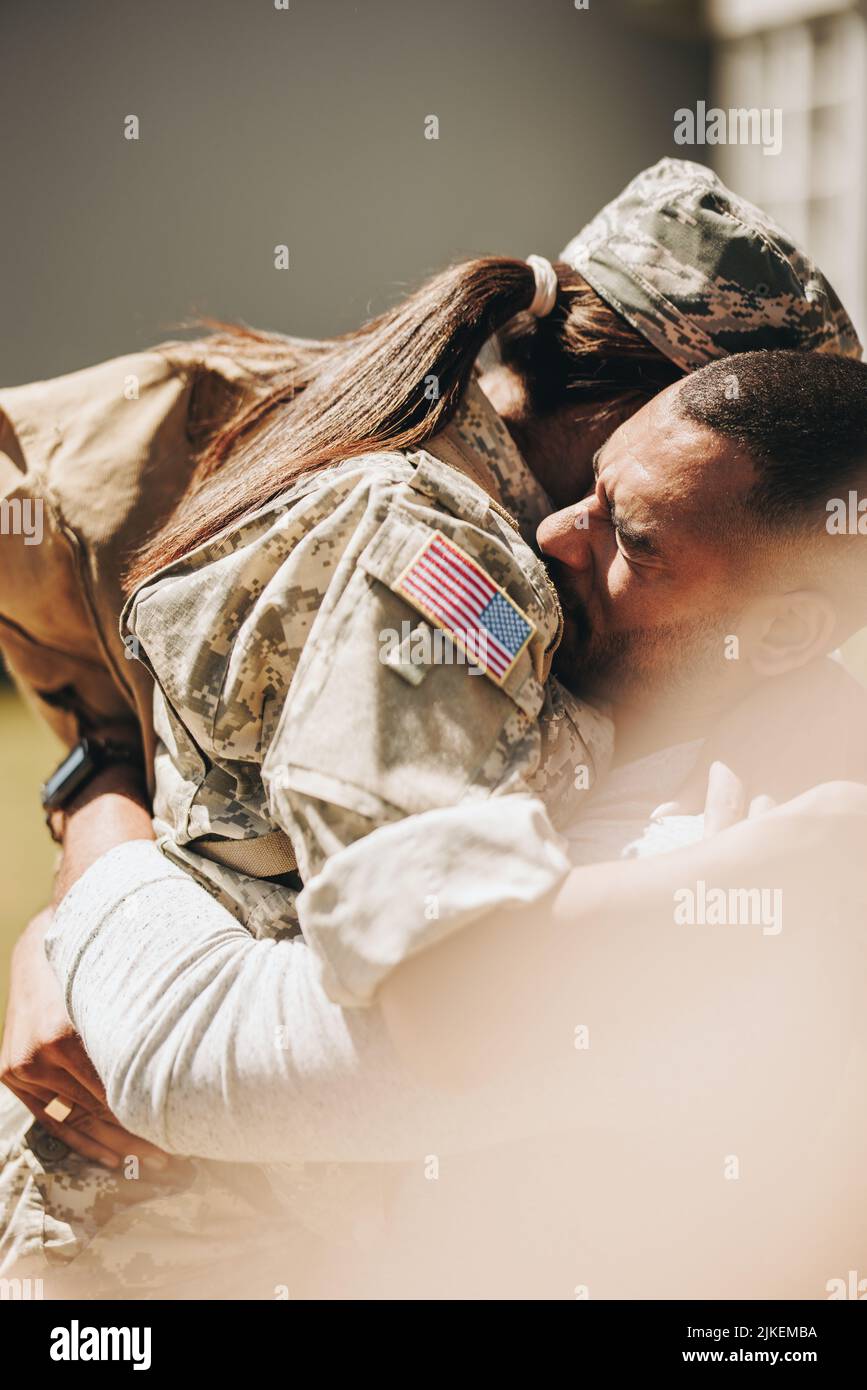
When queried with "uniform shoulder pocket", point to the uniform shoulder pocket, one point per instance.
{"points": [[354, 732], [473, 619]]}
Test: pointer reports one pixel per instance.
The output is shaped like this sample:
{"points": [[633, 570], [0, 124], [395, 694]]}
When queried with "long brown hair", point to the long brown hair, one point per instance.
{"points": [[396, 382]]}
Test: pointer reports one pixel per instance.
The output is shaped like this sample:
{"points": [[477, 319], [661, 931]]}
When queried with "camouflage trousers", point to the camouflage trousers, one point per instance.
{"points": [[70, 1228]]}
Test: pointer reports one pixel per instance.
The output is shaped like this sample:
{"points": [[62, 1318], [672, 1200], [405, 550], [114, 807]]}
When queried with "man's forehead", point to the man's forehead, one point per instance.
{"points": [[640, 440], [660, 456]]}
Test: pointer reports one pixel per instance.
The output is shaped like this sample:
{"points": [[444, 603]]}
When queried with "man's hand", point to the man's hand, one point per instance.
{"points": [[42, 1057]]}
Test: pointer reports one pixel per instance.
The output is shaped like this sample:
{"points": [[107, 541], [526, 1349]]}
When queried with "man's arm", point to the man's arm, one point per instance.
{"points": [[211, 1042], [632, 953]]}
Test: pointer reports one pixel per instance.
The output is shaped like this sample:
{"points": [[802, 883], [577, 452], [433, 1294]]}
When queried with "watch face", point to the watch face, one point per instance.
{"points": [[72, 773]]}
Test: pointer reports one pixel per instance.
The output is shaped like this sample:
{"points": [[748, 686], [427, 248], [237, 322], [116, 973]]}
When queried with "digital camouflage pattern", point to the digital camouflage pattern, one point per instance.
{"points": [[274, 707], [70, 1228], [702, 273], [265, 648]]}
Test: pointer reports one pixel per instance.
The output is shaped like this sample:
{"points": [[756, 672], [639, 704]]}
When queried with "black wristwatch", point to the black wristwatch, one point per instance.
{"points": [[88, 757]]}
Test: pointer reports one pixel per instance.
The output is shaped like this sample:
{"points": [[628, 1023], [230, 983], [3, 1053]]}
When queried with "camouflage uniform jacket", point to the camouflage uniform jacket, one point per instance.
{"points": [[274, 707], [231, 634]]}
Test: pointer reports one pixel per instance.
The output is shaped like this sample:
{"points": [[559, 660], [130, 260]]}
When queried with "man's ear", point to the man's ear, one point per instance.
{"points": [[791, 629]]}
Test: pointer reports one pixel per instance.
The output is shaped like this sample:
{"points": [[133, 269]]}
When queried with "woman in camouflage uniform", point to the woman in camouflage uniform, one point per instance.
{"points": [[320, 519]]}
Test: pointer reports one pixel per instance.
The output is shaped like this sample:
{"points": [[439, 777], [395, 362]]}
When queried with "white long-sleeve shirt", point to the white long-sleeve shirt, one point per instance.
{"points": [[210, 1042]]}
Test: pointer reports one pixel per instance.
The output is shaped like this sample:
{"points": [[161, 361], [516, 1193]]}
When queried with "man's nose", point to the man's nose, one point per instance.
{"points": [[565, 536]]}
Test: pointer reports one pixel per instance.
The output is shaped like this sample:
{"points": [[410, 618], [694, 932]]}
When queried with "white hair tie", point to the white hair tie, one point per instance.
{"points": [[546, 286]]}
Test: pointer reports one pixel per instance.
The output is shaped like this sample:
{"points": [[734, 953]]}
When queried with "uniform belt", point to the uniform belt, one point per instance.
{"points": [[266, 856]]}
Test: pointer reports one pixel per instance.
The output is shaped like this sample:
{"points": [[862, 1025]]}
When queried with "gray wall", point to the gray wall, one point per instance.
{"points": [[262, 126]]}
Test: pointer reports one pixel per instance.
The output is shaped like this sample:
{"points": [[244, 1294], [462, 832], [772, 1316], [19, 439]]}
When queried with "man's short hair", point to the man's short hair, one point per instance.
{"points": [[801, 418]]}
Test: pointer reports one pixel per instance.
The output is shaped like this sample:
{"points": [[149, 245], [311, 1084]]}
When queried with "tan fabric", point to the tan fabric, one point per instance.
{"points": [[106, 452], [265, 857], [274, 712]]}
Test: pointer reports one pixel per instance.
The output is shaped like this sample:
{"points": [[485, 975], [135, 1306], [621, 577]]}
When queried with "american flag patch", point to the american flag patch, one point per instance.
{"points": [[456, 594]]}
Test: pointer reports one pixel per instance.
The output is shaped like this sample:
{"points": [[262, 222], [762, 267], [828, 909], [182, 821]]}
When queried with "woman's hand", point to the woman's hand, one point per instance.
{"points": [[42, 1058]]}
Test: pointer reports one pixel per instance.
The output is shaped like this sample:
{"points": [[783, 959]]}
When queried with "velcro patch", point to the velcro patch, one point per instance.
{"points": [[447, 585]]}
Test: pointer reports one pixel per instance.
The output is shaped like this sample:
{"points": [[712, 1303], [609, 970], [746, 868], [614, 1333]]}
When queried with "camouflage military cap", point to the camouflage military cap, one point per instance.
{"points": [[702, 273]]}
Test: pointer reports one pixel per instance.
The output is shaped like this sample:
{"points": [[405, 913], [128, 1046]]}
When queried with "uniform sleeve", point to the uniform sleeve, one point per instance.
{"points": [[411, 884], [330, 648], [389, 717]]}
